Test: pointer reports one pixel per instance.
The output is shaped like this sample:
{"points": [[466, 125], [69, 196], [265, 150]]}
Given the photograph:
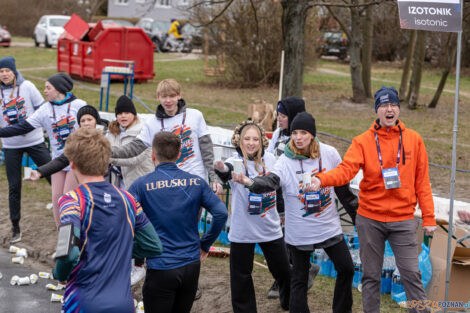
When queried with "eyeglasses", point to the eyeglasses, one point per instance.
{"points": [[386, 105]]}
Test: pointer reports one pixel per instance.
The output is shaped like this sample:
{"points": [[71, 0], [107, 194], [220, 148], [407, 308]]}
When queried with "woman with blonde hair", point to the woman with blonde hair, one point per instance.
{"points": [[123, 172], [311, 218], [254, 219]]}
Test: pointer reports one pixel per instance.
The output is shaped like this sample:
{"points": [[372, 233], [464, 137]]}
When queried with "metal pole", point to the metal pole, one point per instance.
{"points": [[454, 165], [281, 76]]}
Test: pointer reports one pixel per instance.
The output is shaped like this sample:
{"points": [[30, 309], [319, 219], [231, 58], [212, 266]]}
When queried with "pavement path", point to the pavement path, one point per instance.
{"points": [[28, 298]]}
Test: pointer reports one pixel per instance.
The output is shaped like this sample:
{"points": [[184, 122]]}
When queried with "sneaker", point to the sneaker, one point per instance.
{"points": [[273, 292], [198, 294], [16, 234], [312, 273], [137, 274]]}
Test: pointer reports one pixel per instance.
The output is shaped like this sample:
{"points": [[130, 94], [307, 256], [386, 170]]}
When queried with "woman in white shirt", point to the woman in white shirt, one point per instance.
{"points": [[59, 118], [311, 218], [254, 219], [19, 100]]}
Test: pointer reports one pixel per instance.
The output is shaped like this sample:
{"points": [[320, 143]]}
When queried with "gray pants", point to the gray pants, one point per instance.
{"points": [[402, 238]]}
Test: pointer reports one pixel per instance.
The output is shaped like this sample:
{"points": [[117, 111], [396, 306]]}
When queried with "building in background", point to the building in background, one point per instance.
{"points": [[159, 10]]}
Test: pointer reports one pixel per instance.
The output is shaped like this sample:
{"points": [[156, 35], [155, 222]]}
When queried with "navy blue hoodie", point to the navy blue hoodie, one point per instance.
{"points": [[171, 199]]}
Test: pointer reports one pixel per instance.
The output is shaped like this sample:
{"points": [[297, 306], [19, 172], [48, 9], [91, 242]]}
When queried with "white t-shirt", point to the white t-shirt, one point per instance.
{"points": [[57, 123], [194, 128], [302, 228], [25, 99], [251, 228]]}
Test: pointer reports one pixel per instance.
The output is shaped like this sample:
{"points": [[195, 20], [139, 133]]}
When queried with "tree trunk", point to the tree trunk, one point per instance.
{"points": [[294, 15], [407, 66], [451, 55], [368, 31], [355, 44], [418, 61]]}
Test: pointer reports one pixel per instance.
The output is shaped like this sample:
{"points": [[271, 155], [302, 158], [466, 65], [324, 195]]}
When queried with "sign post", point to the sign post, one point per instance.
{"points": [[441, 16]]}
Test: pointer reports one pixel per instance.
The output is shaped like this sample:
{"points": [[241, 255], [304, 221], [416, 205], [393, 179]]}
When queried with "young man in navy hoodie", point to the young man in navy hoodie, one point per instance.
{"points": [[171, 198]]}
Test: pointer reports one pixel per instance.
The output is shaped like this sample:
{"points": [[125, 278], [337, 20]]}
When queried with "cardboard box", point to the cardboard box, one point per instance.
{"points": [[459, 273]]}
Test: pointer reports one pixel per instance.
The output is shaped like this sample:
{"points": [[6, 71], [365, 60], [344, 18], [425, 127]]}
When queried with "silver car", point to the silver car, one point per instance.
{"points": [[48, 29]]}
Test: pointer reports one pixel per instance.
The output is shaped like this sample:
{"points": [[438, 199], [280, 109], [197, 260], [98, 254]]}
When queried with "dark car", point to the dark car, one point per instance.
{"points": [[333, 43], [156, 30], [5, 38], [195, 34]]}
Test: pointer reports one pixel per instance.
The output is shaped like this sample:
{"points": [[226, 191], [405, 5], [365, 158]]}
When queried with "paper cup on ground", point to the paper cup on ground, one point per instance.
{"points": [[60, 286], [14, 280], [44, 275], [140, 305], [359, 287], [22, 252], [1, 275], [56, 298], [33, 278], [23, 281], [237, 166], [17, 260], [13, 249], [218, 153], [27, 172], [51, 287]]}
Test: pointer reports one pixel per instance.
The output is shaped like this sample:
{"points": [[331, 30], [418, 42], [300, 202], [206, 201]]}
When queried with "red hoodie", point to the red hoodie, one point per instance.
{"points": [[376, 202]]}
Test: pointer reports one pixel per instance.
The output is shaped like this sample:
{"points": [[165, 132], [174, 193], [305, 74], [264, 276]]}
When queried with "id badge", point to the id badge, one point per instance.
{"points": [[255, 203], [12, 113], [64, 132], [312, 202], [391, 178]]}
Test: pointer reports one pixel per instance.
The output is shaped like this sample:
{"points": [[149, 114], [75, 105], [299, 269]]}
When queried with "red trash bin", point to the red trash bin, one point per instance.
{"points": [[83, 57]]}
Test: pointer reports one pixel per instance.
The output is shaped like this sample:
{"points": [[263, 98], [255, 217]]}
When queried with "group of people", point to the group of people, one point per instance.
{"points": [[283, 197]]}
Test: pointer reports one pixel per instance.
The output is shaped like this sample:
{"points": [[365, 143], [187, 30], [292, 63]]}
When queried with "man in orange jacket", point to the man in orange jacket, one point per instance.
{"points": [[396, 176]]}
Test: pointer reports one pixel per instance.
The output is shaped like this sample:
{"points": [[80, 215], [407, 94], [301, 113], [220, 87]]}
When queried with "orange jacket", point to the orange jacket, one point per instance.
{"points": [[376, 202]]}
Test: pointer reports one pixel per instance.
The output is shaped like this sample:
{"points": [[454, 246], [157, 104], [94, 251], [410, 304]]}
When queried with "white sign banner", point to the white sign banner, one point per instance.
{"points": [[432, 15]]}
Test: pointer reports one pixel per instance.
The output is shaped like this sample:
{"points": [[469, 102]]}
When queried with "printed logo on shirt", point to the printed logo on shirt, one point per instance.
{"points": [[61, 130], [187, 143], [107, 197], [325, 198], [269, 202], [14, 111]]}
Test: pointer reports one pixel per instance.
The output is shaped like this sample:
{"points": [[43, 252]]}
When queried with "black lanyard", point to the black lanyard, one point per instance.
{"points": [[380, 153], [182, 125], [319, 164], [68, 116]]}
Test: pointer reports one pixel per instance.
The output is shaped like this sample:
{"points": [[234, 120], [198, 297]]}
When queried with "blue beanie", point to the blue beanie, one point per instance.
{"points": [[281, 108], [386, 95], [9, 62]]}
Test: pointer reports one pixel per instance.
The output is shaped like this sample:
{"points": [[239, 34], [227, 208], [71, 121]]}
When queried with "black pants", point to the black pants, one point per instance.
{"points": [[171, 291], [341, 258], [13, 160], [241, 267]]}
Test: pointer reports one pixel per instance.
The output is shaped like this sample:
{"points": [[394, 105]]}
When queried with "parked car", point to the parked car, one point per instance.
{"points": [[48, 29], [5, 37], [333, 43], [156, 30], [119, 22], [195, 34]]}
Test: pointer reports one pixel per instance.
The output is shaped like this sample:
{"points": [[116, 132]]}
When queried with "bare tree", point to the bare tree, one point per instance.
{"points": [[407, 66], [368, 33], [451, 51], [418, 61], [294, 15]]}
